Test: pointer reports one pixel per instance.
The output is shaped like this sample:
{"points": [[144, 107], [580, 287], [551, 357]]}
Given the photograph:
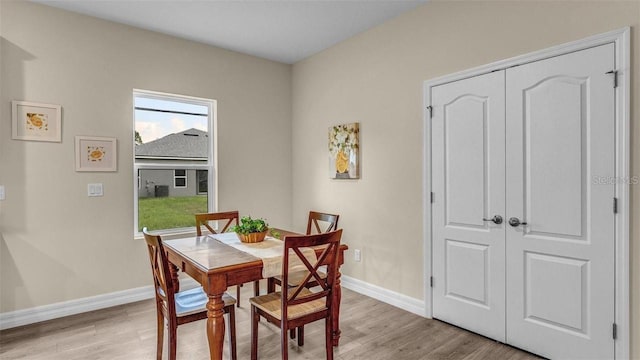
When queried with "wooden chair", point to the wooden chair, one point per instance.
{"points": [[203, 220], [231, 217], [313, 227], [179, 307], [298, 306]]}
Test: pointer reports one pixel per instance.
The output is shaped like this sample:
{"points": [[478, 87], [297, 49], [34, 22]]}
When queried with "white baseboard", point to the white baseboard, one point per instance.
{"points": [[398, 300], [52, 311]]}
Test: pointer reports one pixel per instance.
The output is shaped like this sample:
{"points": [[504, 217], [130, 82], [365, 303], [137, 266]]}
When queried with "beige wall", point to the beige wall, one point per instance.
{"points": [[56, 243], [376, 79]]}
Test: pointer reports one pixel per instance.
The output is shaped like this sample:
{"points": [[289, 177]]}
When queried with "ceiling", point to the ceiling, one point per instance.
{"points": [[283, 31]]}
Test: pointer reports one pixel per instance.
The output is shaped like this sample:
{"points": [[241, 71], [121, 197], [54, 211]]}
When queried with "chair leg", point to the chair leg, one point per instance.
{"points": [[292, 333], [256, 288], [238, 295], [232, 332], [284, 342], [254, 333], [160, 334], [271, 285], [301, 336], [328, 338], [173, 343]]}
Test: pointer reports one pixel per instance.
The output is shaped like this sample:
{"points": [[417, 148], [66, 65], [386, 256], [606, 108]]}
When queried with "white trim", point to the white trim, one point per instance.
{"points": [[53, 311], [398, 300], [621, 39], [36, 314], [623, 171], [426, 202]]}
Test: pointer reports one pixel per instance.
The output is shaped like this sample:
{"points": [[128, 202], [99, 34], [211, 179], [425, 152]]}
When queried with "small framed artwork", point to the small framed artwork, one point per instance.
{"points": [[344, 151], [96, 153], [35, 121]]}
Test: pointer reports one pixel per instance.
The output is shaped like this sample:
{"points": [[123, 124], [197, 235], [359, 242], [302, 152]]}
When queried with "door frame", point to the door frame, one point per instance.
{"points": [[621, 40]]}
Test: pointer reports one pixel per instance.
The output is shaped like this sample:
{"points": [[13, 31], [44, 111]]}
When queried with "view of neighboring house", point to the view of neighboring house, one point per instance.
{"points": [[189, 146]]}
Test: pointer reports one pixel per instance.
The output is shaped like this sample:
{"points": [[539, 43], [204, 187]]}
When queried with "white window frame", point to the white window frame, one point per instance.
{"points": [[151, 164], [176, 177]]}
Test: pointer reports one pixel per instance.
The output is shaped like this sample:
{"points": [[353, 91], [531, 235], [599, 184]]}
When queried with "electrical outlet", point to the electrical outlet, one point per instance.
{"points": [[357, 255]]}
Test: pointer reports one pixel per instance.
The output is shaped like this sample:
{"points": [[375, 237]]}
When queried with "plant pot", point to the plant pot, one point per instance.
{"points": [[252, 237]]}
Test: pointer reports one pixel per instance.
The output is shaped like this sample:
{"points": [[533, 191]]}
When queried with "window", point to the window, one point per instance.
{"points": [[179, 178], [173, 160], [203, 181]]}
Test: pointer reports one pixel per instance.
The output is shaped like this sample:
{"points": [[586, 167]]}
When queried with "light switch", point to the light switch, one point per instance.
{"points": [[94, 189], [1, 192]]}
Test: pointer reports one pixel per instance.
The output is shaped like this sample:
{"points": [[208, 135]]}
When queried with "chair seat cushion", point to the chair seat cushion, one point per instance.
{"points": [[296, 277], [195, 300], [271, 304]]}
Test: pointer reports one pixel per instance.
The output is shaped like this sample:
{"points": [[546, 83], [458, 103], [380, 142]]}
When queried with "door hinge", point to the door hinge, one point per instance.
{"points": [[430, 108], [433, 197], [431, 281], [615, 77], [615, 205], [615, 331]]}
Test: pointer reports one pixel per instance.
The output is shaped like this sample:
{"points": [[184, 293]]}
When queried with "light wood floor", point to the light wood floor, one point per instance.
{"points": [[371, 330]]}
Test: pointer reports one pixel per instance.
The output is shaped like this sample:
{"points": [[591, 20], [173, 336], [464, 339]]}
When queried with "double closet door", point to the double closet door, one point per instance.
{"points": [[523, 233]]}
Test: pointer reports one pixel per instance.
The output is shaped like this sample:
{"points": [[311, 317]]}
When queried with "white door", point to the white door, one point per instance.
{"points": [[560, 265], [543, 281], [468, 128]]}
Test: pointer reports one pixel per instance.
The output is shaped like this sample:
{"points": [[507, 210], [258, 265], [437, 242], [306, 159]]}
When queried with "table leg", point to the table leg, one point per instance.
{"points": [[215, 326], [335, 311]]}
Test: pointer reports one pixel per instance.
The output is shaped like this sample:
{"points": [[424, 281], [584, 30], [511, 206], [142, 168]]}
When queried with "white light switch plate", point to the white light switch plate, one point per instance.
{"points": [[94, 189], [1, 192]]}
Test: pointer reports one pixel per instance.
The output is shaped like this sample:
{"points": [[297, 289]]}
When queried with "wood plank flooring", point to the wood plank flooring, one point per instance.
{"points": [[371, 330]]}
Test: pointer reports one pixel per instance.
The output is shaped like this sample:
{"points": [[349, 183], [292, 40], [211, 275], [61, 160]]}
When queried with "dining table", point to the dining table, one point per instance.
{"points": [[216, 265]]}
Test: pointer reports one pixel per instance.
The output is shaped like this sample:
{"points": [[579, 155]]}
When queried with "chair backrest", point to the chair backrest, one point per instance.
{"points": [[165, 292], [293, 250], [329, 220], [203, 220]]}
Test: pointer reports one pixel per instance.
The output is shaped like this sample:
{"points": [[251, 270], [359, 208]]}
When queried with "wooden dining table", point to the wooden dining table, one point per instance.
{"points": [[216, 266]]}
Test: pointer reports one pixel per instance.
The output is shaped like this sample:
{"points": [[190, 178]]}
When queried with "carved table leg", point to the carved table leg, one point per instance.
{"points": [[215, 326], [335, 312]]}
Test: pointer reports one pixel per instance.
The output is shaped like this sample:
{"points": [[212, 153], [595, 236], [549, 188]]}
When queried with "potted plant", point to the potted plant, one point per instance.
{"points": [[251, 230]]}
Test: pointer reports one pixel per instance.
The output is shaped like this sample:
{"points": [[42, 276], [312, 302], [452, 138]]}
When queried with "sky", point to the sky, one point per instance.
{"points": [[152, 125]]}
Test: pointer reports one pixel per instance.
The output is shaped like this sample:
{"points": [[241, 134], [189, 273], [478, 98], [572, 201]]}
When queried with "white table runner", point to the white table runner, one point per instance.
{"points": [[270, 251]]}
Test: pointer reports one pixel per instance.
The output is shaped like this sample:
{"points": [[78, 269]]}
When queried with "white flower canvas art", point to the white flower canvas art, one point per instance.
{"points": [[344, 151]]}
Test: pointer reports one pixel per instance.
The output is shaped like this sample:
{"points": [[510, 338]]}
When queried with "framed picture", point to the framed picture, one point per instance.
{"points": [[96, 153], [344, 151], [35, 121]]}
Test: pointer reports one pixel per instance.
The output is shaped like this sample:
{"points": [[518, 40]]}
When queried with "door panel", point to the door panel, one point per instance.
{"points": [[560, 266], [555, 114], [466, 266], [567, 292], [468, 179], [465, 146]]}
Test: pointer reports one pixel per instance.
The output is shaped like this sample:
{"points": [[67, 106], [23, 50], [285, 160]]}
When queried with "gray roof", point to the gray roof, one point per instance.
{"points": [[192, 143]]}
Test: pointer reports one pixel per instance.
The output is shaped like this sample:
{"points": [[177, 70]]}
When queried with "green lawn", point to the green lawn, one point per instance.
{"points": [[170, 212]]}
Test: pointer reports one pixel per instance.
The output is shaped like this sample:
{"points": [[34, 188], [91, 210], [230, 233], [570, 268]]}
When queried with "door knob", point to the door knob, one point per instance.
{"points": [[514, 221], [497, 219]]}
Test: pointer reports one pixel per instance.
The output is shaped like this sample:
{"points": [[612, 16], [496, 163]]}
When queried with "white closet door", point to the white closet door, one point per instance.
{"points": [[468, 128], [560, 265]]}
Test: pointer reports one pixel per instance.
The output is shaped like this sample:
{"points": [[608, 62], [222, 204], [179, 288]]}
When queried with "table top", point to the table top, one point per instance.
{"points": [[200, 255], [210, 255]]}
